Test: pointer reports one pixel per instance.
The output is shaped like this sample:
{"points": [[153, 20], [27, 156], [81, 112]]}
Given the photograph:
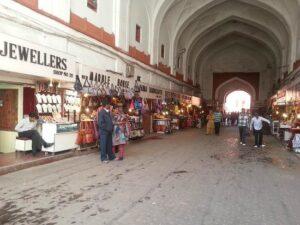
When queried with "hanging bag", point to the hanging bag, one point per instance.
{"points": [[86, 86], [89, 133], [137, 87], [78, 86], [131, 105], [81, 135]]}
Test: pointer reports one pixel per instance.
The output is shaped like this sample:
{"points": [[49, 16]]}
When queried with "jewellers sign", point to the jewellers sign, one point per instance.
{"points": [[19, 56]]}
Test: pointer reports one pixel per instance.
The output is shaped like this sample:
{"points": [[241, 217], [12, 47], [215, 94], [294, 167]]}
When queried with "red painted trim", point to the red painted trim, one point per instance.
{"points": [[138, 55], [32, 4], [296, 64], [179, 76], [190, 81], [164, 68], [85, 27], [252, 78]]}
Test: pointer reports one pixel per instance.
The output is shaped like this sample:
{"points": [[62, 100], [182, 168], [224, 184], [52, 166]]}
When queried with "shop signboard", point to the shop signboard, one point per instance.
{"points": [[94, 76], [144, 90], [186, 98], [143, 87], [155, 93], [196, 101], [20, 56], [172, 95], [281, 94], [281, 97]]}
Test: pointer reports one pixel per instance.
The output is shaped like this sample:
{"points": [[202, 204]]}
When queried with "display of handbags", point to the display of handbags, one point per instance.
{"points": [[86, 133]]}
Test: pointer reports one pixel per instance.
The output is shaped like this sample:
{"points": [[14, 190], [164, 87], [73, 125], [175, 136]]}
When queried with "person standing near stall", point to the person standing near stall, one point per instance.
{"points": [[210, 123], [120, 132], [218, 120], [106, 129], [257, 126]]}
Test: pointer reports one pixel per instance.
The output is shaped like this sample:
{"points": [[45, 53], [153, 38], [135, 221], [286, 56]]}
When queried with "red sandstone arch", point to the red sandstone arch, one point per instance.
{"points": [[231, 85]]}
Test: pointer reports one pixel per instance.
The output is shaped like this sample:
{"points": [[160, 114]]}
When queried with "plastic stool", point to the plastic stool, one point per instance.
{"points": [[23, 144]]}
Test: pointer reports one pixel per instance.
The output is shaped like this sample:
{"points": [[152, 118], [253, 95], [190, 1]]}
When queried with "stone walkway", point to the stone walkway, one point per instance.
{"points": [[186, 178]]}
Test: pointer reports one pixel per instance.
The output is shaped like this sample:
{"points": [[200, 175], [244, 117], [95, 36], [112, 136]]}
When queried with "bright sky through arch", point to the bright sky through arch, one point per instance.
{"points": [[237, 100]]}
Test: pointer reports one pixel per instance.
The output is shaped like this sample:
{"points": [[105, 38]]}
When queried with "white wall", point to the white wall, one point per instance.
{"points": [[164, 38], [58, 8], [95, 58], [104, 16], [139, 16]]}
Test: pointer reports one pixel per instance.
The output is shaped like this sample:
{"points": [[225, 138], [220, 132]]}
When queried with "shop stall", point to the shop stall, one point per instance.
{"points": [[58, 110], [120, 92], [50, 70], [286, 115]]}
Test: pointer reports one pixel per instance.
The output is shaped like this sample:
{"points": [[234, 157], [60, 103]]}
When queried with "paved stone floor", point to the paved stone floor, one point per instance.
{"points": [[186, 178]]}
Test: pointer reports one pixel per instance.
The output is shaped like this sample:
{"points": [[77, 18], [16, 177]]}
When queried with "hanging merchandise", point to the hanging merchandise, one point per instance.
{"points": [[137, 104], [128, 94], [78, 86], [86, 134], [145, 106], [137, 87], [86, 86], [131, 107]]}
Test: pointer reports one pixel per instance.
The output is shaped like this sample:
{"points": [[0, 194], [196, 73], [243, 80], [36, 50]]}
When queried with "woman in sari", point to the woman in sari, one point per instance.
{"points": [[210, 123]]}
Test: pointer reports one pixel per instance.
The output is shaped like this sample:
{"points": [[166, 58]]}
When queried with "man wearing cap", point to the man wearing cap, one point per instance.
{"points": [[106, 129], [26, 128]]}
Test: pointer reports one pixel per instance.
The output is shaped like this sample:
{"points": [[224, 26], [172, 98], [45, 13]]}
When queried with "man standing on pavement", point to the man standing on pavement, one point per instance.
{"points": [[242, 124], [106, 128], [218, 120], [257, 126]]}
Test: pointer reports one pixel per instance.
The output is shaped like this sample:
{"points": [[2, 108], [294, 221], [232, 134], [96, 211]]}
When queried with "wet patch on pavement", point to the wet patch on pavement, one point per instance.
{"points": [[179, 172], [258, 156]]}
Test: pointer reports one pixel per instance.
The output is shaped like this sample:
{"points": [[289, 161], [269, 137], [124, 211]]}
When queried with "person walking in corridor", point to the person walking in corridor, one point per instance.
{"points": [[257, 126], [106, 129], [210, 123], [243, 124], [218, 120]]}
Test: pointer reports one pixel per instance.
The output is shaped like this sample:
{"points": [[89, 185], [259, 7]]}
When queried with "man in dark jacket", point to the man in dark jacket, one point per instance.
{"points": [[105, 128]]}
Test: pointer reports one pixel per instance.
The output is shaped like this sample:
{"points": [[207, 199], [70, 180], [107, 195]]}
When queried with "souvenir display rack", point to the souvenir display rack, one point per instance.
{"points": [[48, 103], [54, 107], [72, 105], [136, 127]]}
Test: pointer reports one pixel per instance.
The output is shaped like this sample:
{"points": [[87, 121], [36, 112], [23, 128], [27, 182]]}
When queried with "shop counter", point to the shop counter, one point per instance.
{"points": [[162, 125], [175, 124], [295, 139], [284, 132], [62, 135]]}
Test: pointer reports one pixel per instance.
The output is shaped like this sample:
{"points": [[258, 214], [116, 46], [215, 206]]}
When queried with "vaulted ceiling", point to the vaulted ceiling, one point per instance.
{"points": [[207, 36]]}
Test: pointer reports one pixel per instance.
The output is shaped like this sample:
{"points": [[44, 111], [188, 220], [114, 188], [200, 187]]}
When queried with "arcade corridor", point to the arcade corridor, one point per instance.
{"points": [[186, 178], [145, 77]]}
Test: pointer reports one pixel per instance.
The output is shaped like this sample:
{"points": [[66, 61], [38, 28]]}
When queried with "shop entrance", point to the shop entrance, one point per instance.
{"points": [[8, 109], [236, 101]]}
